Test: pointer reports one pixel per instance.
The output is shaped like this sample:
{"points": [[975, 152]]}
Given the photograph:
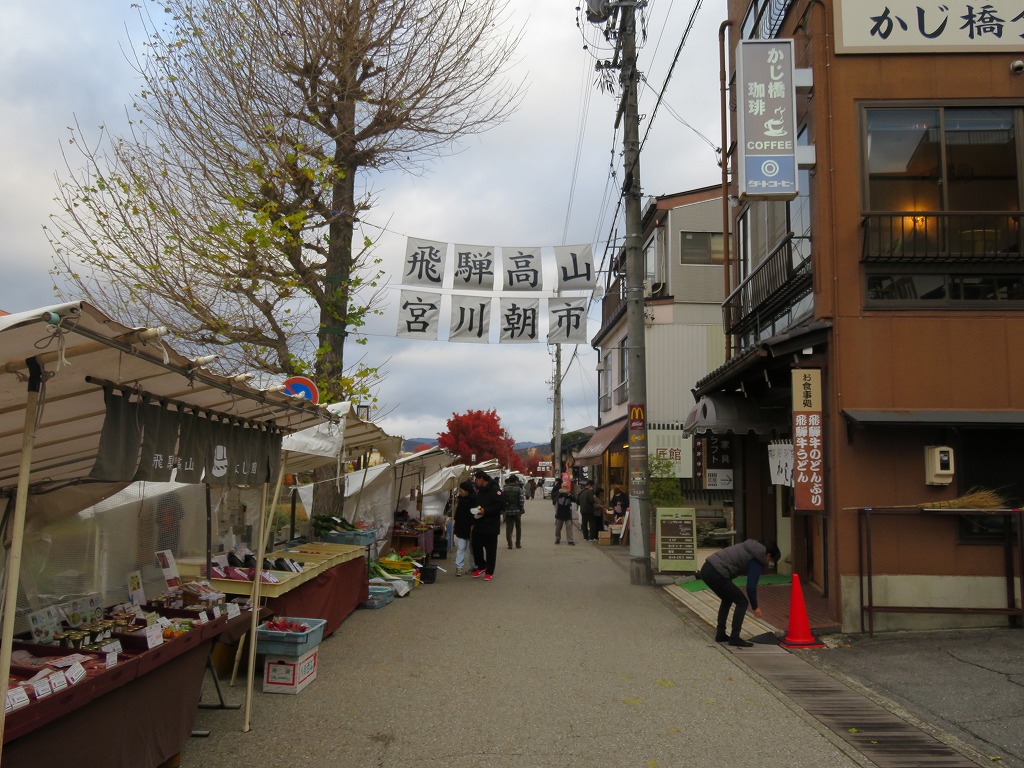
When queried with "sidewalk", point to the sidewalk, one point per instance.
{"points": [[557, 662]]}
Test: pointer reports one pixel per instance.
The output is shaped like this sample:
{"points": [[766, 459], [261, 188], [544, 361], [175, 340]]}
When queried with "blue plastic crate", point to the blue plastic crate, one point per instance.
{"points": [[273, 643], [359, 538], [379, 597]]}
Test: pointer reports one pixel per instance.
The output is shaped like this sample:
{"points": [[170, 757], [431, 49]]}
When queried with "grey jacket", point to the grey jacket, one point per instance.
{"points": [[733, 561]]}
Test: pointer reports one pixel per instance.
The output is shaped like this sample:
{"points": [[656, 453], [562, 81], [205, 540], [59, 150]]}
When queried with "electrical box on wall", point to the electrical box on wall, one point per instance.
{"points": [[938, 465]]}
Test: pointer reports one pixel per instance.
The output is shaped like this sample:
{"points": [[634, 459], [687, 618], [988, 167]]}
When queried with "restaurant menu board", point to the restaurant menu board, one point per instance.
{"points": [[677, 539]]}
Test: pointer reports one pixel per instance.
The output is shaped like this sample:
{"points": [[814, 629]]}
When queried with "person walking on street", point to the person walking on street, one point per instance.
{"points": [[750, 558], [599, 509], [463, 523], [515, 506], [531, 489], [563, 516], [490, 508], [585, 498]]}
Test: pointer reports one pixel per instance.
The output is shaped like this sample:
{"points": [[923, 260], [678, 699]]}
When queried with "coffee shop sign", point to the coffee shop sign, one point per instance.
{"points": [[767, 125]]}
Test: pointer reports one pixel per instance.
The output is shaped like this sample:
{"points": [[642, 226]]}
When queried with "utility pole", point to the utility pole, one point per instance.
{"points": [[556, 460], [636, 354]]}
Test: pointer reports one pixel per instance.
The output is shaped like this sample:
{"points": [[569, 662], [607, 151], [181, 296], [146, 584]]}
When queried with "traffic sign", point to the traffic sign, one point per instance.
{"points": [[300, 385]]}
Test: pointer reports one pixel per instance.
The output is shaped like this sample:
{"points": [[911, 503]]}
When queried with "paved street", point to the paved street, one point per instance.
{"points": [[557, 662]]}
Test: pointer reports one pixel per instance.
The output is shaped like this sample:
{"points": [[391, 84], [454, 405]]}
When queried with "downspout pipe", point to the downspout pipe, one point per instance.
{"points": [[726, 228]]}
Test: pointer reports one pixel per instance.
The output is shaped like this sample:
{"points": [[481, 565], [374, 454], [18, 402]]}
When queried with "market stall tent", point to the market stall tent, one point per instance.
{"points": [[74, 382]]}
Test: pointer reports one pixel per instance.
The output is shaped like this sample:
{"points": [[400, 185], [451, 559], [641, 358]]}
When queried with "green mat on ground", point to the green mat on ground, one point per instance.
{"points": [[741, 581]]}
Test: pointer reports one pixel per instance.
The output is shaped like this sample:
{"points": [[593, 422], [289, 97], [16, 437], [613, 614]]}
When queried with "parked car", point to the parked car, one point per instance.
{"points": [[547, 486]]}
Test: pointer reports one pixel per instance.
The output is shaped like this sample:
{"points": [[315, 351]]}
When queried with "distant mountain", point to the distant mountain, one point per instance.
{"points": [[528, 446], [416, 443]]}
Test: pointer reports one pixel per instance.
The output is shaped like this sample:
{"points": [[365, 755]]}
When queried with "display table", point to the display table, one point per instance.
{"points": [[315, 558], [331, 595], [138, 713]]}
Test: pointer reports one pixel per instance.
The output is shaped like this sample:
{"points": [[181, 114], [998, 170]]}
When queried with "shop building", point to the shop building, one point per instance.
{"points": [[878, 314], [683, 292]]}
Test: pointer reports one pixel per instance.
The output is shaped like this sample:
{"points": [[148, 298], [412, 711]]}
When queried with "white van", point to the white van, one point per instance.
{"points": [[546, 487]]}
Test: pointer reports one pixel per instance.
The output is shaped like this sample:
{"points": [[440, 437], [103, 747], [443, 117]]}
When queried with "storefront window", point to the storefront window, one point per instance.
{"points": [[904, 159]]}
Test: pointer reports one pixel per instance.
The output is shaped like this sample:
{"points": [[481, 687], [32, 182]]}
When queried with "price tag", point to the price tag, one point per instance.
{"points": [[164, 622], [75, 673], [154, 636], [111, 659], [216, 611], [17, 698], [233, 610], [58, 682], [113, 647], [42, 688], [203, 618]]}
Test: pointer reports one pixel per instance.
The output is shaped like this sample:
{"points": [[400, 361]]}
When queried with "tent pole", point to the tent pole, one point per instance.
{"points": [[261, 536], [13, 566]]}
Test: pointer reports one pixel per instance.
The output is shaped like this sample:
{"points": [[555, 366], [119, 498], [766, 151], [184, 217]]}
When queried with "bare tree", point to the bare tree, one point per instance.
{"points": [[228, 210]]}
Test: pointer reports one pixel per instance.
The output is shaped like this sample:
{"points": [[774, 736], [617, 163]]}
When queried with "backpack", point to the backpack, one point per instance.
{"points": [[513, 499]]}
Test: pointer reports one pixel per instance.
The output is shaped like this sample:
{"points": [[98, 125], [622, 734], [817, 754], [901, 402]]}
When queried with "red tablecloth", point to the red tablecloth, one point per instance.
{"points": [[331, 596], [141, 723]]}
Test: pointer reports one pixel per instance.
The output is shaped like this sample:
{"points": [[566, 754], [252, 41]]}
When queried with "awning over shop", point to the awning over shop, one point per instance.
{"points": [[722, 414], [864, 417], [603, 438]]}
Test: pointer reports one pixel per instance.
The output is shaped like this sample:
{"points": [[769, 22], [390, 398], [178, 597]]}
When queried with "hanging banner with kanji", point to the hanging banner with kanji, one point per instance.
{"points": [[808, 443], [456, 286], [567, 321], [418, 315], [471, 319]]}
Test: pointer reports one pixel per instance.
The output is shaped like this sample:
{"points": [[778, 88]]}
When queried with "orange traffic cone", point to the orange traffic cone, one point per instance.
{"points": [[799, 633]]}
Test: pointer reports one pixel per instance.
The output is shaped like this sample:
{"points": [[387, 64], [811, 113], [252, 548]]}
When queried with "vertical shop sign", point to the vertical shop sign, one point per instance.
{"points": [[699, 450], [718, 471], [677, 539], [637, 449], [767, 122], [808, 445]]}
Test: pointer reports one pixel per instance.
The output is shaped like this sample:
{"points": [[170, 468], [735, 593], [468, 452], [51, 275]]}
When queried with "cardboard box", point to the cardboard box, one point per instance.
{"points": [[604, 538], [289, 674]]}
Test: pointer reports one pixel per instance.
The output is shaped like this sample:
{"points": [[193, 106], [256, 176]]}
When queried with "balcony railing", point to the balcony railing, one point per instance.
{"points": [[612, 304], [605, 402], [621, 392], [784, 276], [925, 237]]}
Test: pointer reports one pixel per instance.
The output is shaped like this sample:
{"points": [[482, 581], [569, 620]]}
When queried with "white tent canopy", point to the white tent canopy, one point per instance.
{"points": [[61, 363], [326, 444]]}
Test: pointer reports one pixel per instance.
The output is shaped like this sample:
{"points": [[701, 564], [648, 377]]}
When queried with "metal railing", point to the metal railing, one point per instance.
{"points": [[621, 392], [941, 236], [780, 278], [612, 305]]}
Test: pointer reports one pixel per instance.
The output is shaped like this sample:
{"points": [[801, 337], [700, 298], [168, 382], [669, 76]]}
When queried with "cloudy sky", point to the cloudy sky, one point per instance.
{"points": [[63, 61]]}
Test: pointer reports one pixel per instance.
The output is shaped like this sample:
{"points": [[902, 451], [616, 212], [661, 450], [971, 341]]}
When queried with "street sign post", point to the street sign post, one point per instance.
{"points": [[300, 385]]}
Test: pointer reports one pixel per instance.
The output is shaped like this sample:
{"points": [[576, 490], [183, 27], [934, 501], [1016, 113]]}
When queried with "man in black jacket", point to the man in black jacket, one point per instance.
{"points": [[749, 558], [488, 524]]}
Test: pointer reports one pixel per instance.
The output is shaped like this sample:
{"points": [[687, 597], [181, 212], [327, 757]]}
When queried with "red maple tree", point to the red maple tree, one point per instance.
{"points": [[480, 434]]}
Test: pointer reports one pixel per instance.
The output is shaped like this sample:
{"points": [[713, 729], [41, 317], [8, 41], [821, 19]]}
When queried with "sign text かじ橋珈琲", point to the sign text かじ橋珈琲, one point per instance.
{"points": [[767, 123]]}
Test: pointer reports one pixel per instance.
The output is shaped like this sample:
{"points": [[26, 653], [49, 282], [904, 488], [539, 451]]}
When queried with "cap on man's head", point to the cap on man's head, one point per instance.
{"points": [[481, 475]]}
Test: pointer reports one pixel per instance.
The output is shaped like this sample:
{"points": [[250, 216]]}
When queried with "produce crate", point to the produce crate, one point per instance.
{"points": [[379, 597], [357, 538], [273, 643], [290, 674]]}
